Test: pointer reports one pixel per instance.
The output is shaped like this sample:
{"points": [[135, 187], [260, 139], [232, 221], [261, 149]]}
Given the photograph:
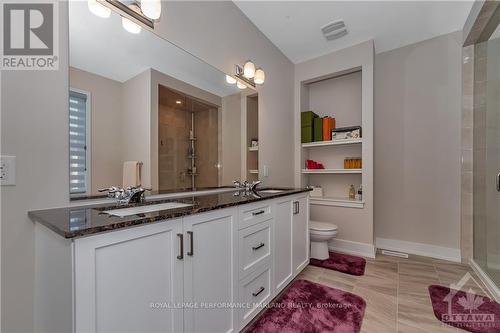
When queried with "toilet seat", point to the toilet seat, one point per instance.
{"points": [[321, 226]]}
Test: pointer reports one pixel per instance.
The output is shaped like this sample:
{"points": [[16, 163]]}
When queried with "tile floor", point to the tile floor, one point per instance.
{"points": [[395, 290]]}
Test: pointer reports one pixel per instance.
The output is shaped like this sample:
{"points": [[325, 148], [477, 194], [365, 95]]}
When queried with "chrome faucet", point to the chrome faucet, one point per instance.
{"points": [[246, 185], [126, 196]]}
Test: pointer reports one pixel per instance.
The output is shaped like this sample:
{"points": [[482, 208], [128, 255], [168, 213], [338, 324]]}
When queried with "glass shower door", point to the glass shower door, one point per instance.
{"points": [[487, 156]]}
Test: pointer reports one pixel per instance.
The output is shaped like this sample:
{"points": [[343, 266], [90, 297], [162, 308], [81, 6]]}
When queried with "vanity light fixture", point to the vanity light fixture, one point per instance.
{"points": [[249, 69], [241, 85], [134, 13], [130, 26], [98, 9], [249, 75], [230, 79], [260, 76], [151, 8]]}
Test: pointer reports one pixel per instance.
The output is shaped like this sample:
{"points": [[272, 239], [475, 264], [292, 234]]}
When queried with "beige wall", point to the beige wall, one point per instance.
{"points": [[106, 116], [355, 225], [417, 142], [136, 123], [34, 127], [231, 138], [339, 98]]}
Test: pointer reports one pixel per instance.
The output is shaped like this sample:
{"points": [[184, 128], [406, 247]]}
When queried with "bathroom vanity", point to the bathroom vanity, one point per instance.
{"points": [[209, 265]]}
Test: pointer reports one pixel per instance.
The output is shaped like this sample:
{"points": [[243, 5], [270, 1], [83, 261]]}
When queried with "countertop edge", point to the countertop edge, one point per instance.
{"points": [[145, 220]]}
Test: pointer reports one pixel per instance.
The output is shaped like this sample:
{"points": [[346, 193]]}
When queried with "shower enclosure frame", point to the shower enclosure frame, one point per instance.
{"points": [[483, 20]]}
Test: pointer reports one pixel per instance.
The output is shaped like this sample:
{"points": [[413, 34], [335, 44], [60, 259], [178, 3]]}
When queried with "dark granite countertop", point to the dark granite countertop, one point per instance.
{"points": [[71, 222]]}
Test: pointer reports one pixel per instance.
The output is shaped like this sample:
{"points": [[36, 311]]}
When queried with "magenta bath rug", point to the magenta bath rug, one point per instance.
{"points": [[470, 312], [343, 263], [310, 307]]}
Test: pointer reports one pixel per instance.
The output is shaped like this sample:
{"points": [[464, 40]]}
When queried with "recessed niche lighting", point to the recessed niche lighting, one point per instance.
{"points": [[178, 102]]}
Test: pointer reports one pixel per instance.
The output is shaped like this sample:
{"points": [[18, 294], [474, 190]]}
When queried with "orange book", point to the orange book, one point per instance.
{"points": [[332, 125], [327, 131]]}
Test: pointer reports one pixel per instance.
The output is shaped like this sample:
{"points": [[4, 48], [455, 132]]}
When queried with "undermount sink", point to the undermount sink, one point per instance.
{"points": [[122, 212], [271, 191]]}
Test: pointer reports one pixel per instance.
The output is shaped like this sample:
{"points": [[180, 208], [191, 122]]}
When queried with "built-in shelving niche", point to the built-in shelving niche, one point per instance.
{"points": [[252, 133], [339, 97]]}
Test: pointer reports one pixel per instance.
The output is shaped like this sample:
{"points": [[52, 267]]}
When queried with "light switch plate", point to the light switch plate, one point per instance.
{"points": [[7, 170], [266, 171]]}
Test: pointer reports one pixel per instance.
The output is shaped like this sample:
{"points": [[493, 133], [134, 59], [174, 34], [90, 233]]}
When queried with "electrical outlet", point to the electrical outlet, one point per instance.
{"points": [[7, 170]]}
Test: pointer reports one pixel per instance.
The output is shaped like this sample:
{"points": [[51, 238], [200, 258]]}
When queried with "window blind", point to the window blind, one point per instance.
{"points": [[78, 143]]}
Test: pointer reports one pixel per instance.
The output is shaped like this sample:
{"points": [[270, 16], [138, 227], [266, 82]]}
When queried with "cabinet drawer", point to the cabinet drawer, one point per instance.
{"points": [[255, 292], [254, 213], [255, 247]]}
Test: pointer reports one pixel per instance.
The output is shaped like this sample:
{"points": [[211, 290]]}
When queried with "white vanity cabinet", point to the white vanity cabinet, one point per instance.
{"points": [[146, 279], [211, 271], [198, 273], [291, 239], [300, 233], [120, 274]]}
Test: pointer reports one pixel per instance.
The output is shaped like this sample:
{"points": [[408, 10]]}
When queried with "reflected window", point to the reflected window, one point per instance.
{"points": [[79, 116]]}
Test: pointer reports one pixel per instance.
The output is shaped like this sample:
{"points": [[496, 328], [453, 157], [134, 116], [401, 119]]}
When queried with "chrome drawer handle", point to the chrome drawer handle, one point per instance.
{"points": [[258, 213], [255, 248], [257, 293]]}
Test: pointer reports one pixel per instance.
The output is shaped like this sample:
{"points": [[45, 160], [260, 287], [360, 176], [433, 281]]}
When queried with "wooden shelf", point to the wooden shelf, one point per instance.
{"points": [[338, 202], [253, 171], [332, 143], [331, 171], [253, 148]]}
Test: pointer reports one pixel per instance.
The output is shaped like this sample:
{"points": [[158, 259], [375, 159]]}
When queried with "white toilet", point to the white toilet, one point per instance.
{"points": [[320, 233]]}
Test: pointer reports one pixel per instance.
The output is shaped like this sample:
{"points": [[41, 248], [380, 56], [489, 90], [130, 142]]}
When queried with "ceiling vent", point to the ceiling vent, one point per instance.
{"points": [[334, 30]]}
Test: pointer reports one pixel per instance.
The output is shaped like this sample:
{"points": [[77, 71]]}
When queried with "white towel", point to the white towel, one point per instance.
{"points": [[131, 173]]}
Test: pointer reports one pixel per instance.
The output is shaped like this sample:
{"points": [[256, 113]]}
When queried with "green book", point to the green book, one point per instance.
{"points": [[307, 118], [306, 134], [318, 129]]}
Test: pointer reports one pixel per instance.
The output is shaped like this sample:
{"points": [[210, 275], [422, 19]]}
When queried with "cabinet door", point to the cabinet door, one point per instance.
{"points": [[300, 232], [282, 260], [129, 280], [211, 271]]}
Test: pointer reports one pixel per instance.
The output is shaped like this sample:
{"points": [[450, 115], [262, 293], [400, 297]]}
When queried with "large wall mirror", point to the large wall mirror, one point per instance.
{"points": [[142, 110]]}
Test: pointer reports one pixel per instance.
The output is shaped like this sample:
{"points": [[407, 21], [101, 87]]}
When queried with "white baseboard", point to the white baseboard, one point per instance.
{"points": [[354, 248], [488, 282], [426, 250]]}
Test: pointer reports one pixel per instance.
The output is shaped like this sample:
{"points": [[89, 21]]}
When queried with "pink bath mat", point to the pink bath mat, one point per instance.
{"points": [[343, 263], [468, 311], [313, 308]]}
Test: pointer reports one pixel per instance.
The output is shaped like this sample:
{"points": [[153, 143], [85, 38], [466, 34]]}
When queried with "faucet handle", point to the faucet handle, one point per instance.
{"points": [[254, 184], [111, 189]]}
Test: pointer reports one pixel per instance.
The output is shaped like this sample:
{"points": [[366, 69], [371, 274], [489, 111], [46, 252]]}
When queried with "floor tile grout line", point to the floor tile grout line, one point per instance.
{"points": [[397, 299]]}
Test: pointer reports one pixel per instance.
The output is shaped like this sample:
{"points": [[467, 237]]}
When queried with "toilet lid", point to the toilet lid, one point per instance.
{"points": [[322, 226]]}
